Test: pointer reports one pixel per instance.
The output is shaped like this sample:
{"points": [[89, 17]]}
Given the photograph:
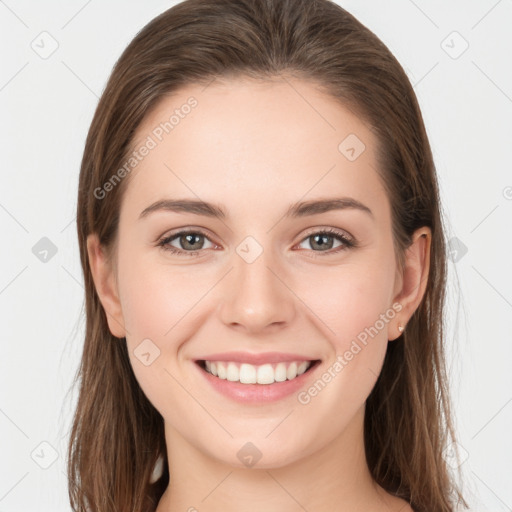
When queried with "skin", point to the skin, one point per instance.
{"points": [[255, 148]]}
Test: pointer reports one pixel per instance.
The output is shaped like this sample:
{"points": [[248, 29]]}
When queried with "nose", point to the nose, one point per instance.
{"points": [[256, 296]]}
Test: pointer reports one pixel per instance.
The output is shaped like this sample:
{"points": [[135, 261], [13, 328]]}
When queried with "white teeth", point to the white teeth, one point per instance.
{"points": [[222, 372], [291, 372], [250, 374], [302, 367], [280, 372], [232, 373], [265, 374], [247, 373]]}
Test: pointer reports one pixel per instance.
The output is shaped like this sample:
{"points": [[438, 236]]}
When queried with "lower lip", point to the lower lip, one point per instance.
{"points": [[258, 393]]}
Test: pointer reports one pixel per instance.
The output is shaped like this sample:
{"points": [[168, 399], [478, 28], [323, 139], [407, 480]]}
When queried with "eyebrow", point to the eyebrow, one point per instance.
{"points": [[300, 209]]}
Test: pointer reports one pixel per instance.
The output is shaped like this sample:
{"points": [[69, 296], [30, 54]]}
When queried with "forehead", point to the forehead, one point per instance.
{"points": [[241, 138]]}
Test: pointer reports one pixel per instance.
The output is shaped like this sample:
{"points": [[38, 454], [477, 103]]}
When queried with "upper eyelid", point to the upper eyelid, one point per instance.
{"points": [[175, 234]]}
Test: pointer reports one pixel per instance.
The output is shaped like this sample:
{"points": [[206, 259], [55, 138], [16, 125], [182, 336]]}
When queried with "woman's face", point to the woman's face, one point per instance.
{"points": [[284, 163]]}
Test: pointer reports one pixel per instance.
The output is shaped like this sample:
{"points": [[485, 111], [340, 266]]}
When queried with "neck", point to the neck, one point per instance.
{"points": [[333, 478]]}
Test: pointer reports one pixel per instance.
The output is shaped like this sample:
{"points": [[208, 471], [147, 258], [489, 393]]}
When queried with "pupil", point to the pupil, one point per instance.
{"points": [[322, 245], [189, 240]]}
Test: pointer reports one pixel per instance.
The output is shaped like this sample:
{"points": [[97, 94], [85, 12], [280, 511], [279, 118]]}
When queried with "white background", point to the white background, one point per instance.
{"points": [[46, 108]]}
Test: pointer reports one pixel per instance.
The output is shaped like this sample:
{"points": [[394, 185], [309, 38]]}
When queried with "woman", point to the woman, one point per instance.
{"points": [[264, 261]]}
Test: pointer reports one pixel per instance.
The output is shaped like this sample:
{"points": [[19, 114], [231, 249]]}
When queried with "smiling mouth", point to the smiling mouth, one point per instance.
{"points": [[245, 373]]}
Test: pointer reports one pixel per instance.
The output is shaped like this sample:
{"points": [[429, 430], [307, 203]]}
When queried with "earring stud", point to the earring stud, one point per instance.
{"points": [[400, 328]]}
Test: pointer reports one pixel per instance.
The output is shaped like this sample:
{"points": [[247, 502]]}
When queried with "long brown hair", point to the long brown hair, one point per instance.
{"points": [[117, 435]]}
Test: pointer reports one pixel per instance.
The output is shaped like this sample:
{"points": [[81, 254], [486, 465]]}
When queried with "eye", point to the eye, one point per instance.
{"points": [[189, 242], [323, 241]]}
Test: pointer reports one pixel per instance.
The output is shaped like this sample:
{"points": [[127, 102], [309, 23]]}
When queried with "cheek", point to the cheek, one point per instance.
{"points": [[160, 304], [355, 305], [156, 303], [351, 299], [155, 297]]}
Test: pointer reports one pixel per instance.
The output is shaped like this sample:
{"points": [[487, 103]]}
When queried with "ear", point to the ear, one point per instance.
{"points": [[411, 281], [106, 287]]}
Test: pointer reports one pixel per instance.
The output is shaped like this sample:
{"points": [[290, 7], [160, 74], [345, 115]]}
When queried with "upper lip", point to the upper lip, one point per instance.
{"points": [[256, 359]]}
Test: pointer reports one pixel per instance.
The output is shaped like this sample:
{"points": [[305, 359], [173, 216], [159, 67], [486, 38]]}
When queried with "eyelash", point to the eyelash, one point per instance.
{"points": [[346, 241]]}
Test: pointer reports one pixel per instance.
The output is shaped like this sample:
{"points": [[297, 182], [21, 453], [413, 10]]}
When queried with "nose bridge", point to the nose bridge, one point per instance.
{"points": [[257, 297]]}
